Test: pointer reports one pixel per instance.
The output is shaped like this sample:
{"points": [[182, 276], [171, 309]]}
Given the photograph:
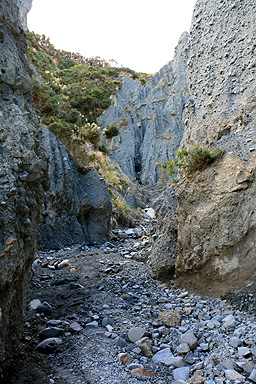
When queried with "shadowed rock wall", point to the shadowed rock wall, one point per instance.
{"points": [[77, 206], [22, 169]]}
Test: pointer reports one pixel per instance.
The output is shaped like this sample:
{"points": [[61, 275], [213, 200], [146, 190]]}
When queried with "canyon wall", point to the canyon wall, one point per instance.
{"points": [[22, 171], [150, 119], [77, 206], [216, 214], [205, 96], [40, 185]]}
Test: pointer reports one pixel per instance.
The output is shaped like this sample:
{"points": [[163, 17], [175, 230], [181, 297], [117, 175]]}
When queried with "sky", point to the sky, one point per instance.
{"points": [[138, 34]]}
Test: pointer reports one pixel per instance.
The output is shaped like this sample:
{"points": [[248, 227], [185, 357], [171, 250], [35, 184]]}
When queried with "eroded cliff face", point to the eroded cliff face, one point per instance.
{"points": [[150, 119], [221, 70], [77, 206], [216, 215], [22, 169]]}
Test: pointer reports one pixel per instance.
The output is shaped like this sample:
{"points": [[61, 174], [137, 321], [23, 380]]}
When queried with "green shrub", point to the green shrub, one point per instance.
{"points": [[103, 148], [189, 160], [111, 131]]}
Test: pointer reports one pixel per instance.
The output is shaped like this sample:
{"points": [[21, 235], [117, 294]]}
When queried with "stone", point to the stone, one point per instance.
{"points": [[76, 327], [233, 375], [93, 324], [244, 351], [34, 304], [125, 358], [63, 264], [146, 346], [197, 379], [169, 318], [51, 332], [253, 375], [107, 321], [163, 356], [135, 334], [235, 342], [183, 348], [120, 342], [141, 372], [177, 362], [135, 366], [44, 308], [49, 345], [181, 373], [190, 339]]}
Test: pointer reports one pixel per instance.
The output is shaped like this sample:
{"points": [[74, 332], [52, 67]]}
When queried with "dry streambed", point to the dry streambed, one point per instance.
{"points": [[95, 315]]}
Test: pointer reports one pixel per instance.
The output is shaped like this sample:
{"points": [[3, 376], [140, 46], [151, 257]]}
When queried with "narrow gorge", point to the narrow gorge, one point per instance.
{"points": [[91, 220]]}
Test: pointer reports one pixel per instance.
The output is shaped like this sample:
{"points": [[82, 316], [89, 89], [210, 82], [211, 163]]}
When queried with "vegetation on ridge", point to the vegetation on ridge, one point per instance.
{"points": [[70, 94]]}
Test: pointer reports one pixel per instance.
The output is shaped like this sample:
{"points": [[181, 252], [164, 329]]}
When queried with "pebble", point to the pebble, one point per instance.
{"points": [[146, 346], [235, 342], [135, 334], [49, 345], [164, 356], [76, 326], [189, 338], [51, 332], [93, 324], [125, 358], [181, 373], [253, 375], [44, 308], [233, 375], [183, 348], [169, 318], [63, 264], [33, 305], [120, 342]]}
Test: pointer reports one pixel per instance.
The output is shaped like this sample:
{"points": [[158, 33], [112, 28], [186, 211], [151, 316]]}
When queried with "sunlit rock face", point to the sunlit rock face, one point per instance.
{"points": [[22, 170], [216, 215], [150, 119]]}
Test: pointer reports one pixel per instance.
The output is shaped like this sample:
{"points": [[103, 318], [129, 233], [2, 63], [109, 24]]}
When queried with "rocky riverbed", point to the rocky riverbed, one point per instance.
{"points": [[95, 315]]}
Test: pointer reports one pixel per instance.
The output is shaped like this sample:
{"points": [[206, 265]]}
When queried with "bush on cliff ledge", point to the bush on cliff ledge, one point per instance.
{"points": [[189, 160]]}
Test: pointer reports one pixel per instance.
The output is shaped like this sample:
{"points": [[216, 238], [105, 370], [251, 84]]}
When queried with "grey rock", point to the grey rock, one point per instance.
{"points": [[76, 327], [44, 308], [164, 356], [34, 304], [183, 348], [93, 324], [49, 345], [134, 366], [190, 339], [51, 332], [244, 351], [177, 362], [107, 321], [149, 119], [181, 373], [135, 334], [20, 199], [253, 375], [235, 342], [120, 342], [233, 375]]}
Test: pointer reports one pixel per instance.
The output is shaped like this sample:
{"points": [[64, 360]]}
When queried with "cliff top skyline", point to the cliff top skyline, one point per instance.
{"points": [[135, 35]]}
